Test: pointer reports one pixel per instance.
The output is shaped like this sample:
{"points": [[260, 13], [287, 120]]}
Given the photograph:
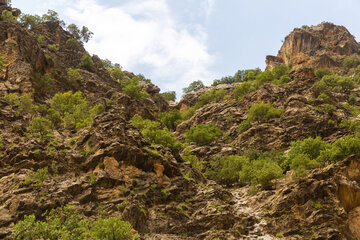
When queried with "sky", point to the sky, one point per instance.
{"points": [[176, 42]]}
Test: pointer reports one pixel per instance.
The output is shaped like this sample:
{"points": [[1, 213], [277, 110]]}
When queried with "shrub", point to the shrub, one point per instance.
{"points": [[23, 103], [301, 163], [261, 112], [280, 71], [81, 35], [74, 76], [117, 74], [132, 89], [40, 127], [30, 21], [65, 223], [324, 97], [243, 89], [8, 16], [247, 75], [74, 109], [2, 63], [73, 44], [153, 131], [244, 126], [226, 169], [87, 62], [169, 96], [266, 76], [320, 73], [53, 47], [213, 95], [194, 86], [351, 62], [203, 134], [41, 40], [351, 125], [260, 171], [42, 83], [194, 160], [171, 119], [224, 80]]}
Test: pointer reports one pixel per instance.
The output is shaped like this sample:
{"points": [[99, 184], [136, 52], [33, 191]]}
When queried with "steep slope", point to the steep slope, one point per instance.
{"points": [[104, 151]]}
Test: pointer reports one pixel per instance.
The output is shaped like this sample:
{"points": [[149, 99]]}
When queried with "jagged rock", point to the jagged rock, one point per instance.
{"points": [[323, 46]]}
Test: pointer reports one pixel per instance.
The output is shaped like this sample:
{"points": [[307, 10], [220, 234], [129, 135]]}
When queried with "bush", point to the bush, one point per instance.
{"points": [[194, 160], [351, 62], [23, 103], [74, 77], [30, 21], [301, 163], [244, 126], [247, 75], [260, 171], [153, 131], [266, 76], [8, 16], [320, 73], [194, 86], [210, 96], [243, 89], [40, 127], [73, 44], [2, 63], [351, 125], [87, 62], [261, 112], [42, 83], [169, 96], [74, 109], [41, 40], [132, 89], [171, 119], [117, 74], [203, 134], [224, 80], [280, 71], [81, 35], [53, 47], [226, 169], [65, 223]]}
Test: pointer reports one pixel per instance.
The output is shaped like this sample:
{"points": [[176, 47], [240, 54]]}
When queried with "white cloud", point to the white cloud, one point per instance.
{"points": [[143, 33]]}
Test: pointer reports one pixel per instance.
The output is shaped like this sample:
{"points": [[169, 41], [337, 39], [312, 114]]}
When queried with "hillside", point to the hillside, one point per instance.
{"points": [[91, 151]]}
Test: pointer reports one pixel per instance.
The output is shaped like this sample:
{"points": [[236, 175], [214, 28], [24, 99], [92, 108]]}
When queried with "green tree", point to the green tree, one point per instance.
{"points": [[169, 96], [30, 21], [117, 74], [8, 16], [87, 62], [203, 134], [243, 89], [131, 88], [73, 44], [194, 86], [74, 76], [111, 229], [40, 127], [320, 73], [42, 83], [261, 112], [171, 119], [52, 16]]}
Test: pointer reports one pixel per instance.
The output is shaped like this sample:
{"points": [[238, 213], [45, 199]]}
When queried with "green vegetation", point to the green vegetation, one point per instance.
{"points": [[351, 62], [261, 112], [74, 110], [8, 16], [243, 89], [41, 40], [194, 160], [194, 86], [117, 74], [65, 223], [320, 73], [42, 83], [2, 63], [74, 77], [40, 127], [171, 119], [169, 96], [37, 177], [73, 44], [152, 130], [244, 126], [87, 62], [132, 89], [23, 103], [83, 35], [334, 82], [53, 47], [353, 126], [203, 134]]}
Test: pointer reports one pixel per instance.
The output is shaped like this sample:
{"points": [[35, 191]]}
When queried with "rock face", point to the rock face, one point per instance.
{"points": [[322, 46], [107, 168]]}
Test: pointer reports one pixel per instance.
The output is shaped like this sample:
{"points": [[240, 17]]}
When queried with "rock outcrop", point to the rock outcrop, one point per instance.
{"points": [[322, 46]]}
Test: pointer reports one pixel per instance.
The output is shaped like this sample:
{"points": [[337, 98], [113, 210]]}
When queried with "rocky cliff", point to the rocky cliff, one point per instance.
{"points": [[111, 167]]}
